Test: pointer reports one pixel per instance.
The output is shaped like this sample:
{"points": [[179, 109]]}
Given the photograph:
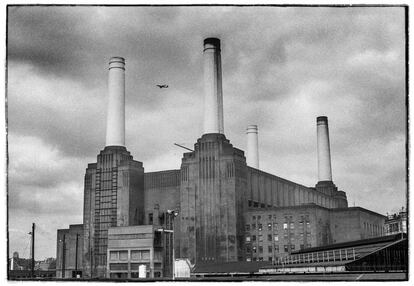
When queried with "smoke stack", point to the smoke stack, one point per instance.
{"points": [[213, 94], [115, 124], [324, 152], [252, 147]]}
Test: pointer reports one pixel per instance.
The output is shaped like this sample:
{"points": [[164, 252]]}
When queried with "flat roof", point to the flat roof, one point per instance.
{"points": [[359, 209], [130, 229]]}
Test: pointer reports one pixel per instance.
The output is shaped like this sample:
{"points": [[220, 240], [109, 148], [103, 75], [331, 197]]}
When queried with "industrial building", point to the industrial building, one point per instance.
{"points": [[130, 247], [396, 223], [386, 253], [69, 246], [272, 234], [222, 198]]}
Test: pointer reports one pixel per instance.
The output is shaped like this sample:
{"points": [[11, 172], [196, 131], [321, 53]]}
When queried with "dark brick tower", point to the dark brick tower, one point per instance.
{"points": [[114, 186], [213, 186]]}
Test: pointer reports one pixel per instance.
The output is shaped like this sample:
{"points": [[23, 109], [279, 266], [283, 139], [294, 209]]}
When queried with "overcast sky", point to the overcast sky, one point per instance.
{"points": [[282, 67]]}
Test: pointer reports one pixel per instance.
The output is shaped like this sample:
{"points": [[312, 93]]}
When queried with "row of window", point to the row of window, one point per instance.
{"points": [[274, 226], [287, 248], [276, 237], [287, 218], [136, 255]]}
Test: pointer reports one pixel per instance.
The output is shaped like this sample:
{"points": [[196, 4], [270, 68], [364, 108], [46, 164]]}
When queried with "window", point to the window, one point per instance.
{"points": [[254, 258], [250, 203], [308, 245], [292, 225], [248, 248], [286, 248], [145, 254], [301, 246], [269, 226], [260, 238], [275, 226], [276, 238], [270, 258], [118, 266], [285, 225], [135, 255], [150, 218], [259, 217], [247, 227], [113, 255], [247, 238], [269, 249], [254, 249], [253, 226], [269, 237], [276, 248], [260, 226], [260, 249], [254, 238], [292, 246], [270, 216], [254, 217], [248, 259], [123, 255], [260, 258]]}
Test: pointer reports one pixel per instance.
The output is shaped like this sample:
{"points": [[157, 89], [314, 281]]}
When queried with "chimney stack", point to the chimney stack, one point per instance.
{"points": [[252, 158], [213, 94], [115, 124], [324, 153]]}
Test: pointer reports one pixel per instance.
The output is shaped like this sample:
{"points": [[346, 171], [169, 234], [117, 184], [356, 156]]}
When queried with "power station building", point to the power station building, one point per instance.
{"points": [[226, 205]]}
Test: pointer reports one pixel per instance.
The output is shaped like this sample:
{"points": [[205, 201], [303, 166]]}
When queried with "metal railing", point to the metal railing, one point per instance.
{"points": [[318, 257]]}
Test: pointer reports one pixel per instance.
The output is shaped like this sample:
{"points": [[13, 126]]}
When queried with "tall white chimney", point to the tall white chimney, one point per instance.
{"points": [[115, 124], [324, 152], [252, 158], [213, 94]]}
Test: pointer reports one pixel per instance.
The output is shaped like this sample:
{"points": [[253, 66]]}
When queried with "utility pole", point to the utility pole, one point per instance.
{"points": [[63, 255], [172, 214], [33, 249]]}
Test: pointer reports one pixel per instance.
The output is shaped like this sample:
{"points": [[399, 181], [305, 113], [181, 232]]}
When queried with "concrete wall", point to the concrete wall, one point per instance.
{"points": [[162, 190], [355, 223], [265, 190], [66, 241]]}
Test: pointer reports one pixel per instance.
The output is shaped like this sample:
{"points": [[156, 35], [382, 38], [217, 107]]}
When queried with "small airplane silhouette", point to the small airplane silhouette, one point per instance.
{"points": [[162, 85]]}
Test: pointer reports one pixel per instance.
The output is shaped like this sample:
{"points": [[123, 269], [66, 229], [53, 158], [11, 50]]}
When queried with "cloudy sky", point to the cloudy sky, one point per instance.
{"points": [[282, 67]]}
